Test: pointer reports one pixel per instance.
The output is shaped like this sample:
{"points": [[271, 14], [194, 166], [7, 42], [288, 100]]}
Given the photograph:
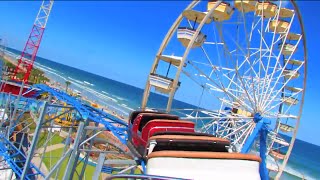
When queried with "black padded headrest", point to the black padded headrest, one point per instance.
{"points": [[134, 114]]}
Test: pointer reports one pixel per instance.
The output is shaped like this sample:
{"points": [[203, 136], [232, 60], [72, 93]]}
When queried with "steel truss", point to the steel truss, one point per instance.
{"points": [[30, 156]]}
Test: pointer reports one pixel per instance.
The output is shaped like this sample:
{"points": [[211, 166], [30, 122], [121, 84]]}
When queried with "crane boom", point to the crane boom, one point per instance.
{"points": [[29, 53]]}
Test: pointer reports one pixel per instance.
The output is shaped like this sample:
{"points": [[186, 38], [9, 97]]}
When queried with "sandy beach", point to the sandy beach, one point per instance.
{"points": [[53, 83], [12, 60], [93, 102]]}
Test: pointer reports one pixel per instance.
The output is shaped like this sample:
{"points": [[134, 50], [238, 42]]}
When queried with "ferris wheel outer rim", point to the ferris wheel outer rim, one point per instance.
{"points": [[186, 53], [167, 39], [164, 44], [285, 161]]}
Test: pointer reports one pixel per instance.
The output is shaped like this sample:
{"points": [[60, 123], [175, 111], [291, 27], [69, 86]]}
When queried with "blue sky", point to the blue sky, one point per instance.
{"points": [[118, 40]]}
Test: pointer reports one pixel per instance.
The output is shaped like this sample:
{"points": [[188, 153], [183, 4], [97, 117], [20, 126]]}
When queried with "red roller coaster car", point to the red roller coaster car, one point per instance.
{"points": [[144, 124]]}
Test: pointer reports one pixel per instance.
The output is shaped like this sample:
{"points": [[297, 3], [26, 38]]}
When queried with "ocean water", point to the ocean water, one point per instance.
{"points": [[304, 161]]}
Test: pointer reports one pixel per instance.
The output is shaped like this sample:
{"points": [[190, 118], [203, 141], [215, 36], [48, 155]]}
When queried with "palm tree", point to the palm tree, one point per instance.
{"points": [[67, 85]]}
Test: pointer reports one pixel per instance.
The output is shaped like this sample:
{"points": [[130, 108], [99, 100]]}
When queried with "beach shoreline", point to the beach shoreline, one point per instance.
{"points": [[93, 102], [53, 82], [130, 96]]}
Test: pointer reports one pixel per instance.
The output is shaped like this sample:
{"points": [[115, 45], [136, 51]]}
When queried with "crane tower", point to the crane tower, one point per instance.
{"points": [[29, 53]]}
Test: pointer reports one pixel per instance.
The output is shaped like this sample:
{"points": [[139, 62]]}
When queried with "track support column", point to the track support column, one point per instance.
{"points": [[85, 162], [13, 117], [102, 157], [72, 158], [34, 141], [82, 136]]}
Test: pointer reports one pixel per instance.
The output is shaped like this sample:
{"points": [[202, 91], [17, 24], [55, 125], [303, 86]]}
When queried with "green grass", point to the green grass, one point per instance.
{"points": [[36, 75], [30, 121], [56, 155], [56, 139]]}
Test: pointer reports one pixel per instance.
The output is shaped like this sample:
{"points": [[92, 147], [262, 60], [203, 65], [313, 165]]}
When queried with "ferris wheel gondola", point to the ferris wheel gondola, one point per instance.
{"points": [[251, 58]]}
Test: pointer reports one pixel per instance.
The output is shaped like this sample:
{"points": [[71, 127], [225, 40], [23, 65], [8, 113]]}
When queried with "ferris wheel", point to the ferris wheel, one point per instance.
{"points": [[250, 57]]}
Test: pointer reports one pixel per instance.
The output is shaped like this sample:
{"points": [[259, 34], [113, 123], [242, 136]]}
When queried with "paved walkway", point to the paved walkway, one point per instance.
{"points": [[36, 160], [50, 148]]}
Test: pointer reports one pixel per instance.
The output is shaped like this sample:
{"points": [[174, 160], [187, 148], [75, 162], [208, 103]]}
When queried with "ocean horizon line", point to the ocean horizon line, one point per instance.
{"points": [[117, 81], [138, 88]]}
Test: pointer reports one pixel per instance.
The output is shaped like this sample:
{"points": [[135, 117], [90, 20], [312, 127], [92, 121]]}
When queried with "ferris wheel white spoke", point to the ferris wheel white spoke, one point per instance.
{"points": [[208, 77], [200, 84], [246, 58], [274, 106], [282, 116], [230, 103], [221, 127], [221, 110], [295, 71], [213, 66], [186, 73], [244, 133], [238, 129], [208, 125], [245, 31], [209, 60], [267, 27], [288, 107], [278, 58], [193, 79], [247, 134], [217, 50], [272, 45], [236, 69], [223, 89], [237, 85], [263, 41], [225, 46], [251, 64], [254, 27], [250, 98], [277, 105], [260, 54], [213, 43], [206, 55], [273, 98]]}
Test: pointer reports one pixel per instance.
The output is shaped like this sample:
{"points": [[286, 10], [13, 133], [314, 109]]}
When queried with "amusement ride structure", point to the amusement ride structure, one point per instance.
{"points": [[29, 53], [249, 56], [30, 50]]}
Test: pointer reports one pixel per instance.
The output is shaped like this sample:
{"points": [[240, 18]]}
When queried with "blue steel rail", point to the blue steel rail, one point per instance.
{"points": [[11, 154], [23, 105], [16, 159], [116, 126]]}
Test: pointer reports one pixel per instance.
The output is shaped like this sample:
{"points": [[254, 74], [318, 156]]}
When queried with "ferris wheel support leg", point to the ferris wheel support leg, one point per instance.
{"points": [[143, 165], [263, 150], [259, 125], [260, 129]]}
